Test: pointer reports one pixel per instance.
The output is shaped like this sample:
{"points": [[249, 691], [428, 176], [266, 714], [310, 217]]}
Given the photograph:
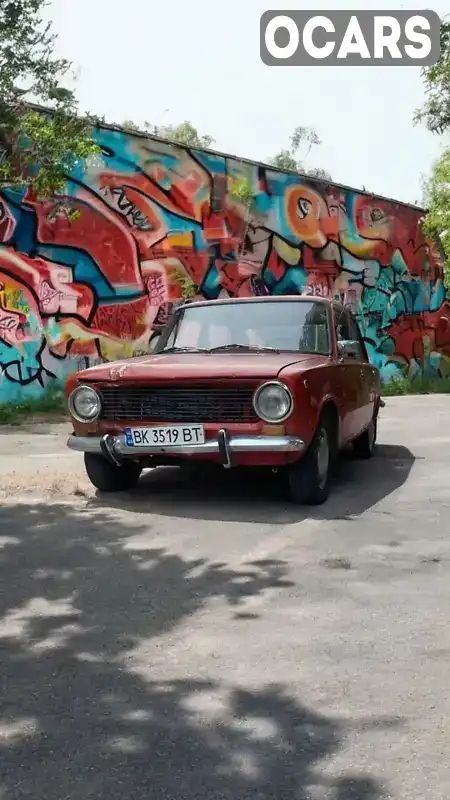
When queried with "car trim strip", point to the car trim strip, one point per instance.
{"points": [[118, 447]]}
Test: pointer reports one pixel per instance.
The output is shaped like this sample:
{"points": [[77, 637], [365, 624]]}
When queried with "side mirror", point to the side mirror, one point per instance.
{"points": [[348, 349]]}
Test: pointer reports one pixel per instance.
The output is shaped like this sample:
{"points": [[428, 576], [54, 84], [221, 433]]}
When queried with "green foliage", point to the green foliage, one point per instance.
{"points": [[302, 135], [285, 159], [437, 197], [241, 191], [35, 148], [131, 126], [403, 385], [52, 403], [184, 133], [436, 110], [318, 172], [188, 287], [435, 113], [288, 158]]}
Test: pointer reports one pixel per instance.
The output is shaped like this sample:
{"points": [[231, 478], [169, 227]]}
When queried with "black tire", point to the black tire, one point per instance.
{"points": [[364, 445], [108, 478], [309, 479]]}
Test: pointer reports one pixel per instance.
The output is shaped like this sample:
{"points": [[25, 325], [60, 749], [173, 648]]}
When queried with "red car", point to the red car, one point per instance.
{"points": [[280, 382]]}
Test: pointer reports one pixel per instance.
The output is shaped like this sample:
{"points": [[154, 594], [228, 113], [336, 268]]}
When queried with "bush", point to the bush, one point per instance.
{"points": [[422, 384], [51, 402]]}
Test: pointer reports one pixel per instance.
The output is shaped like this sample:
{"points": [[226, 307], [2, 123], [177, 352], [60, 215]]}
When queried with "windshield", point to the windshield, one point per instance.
{"points": [[294, 326]]}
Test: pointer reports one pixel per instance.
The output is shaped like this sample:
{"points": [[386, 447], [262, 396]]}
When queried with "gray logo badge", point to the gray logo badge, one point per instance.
{"points": [[348, 38]]}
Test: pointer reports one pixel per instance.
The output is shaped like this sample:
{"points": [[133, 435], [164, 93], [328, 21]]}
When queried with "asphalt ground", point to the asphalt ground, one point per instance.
{"points": [[205, 639]]}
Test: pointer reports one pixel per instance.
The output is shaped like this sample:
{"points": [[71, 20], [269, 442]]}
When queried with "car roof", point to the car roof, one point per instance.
{"points": [[263, 299]]}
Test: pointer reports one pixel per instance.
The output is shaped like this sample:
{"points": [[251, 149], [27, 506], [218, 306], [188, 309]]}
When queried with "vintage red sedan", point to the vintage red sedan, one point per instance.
{"points": [[276, 382]]}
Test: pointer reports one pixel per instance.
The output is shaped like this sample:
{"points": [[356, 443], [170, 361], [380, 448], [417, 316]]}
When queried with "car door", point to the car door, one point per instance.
{"points": [[368, 374], [364, 412], [351, 372]]}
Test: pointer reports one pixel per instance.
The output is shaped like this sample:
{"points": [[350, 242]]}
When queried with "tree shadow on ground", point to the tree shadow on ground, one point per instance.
{"points": [[83, 717], [256, 496]]}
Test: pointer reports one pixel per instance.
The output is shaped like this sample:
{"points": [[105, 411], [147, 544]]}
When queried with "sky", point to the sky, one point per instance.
{"points": [[166, 61]]}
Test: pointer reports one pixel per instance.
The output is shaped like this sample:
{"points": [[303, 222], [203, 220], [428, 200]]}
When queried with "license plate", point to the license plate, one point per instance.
{"points": [[165, 437]]}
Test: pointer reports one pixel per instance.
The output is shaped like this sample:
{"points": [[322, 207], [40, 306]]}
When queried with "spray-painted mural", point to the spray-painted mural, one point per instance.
{"points": [[156, 222]]}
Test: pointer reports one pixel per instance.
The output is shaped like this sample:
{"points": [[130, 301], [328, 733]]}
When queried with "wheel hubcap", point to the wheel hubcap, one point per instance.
{"points": [[323, 458]]}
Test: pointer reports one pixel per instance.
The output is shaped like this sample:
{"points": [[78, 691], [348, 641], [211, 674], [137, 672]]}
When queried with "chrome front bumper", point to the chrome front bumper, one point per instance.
{"points": [[115, 448]]}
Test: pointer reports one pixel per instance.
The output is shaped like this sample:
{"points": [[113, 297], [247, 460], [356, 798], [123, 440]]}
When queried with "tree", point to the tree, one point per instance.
{"points": [[318, 172], [183, 133], [288, 158], [35, 148], [437, 199], [435, 112], [284, 159]]}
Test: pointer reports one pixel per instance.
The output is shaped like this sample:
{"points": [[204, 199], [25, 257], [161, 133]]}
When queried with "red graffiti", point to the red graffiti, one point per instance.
{"points": [[132, 322], [52, 284], [156, 288], [97, 231], [144, 240], [411, 332]]}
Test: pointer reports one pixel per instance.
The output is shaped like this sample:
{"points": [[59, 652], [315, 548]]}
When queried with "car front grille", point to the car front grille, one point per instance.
{"points": [[178, 404]]}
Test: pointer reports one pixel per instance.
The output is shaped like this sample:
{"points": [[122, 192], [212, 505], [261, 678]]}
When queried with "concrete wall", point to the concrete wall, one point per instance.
{"points": [[155, 219]]}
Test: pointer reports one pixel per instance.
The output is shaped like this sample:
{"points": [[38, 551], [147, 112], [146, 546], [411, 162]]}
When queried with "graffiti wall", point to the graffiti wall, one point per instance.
{"points": [[156, 223]]}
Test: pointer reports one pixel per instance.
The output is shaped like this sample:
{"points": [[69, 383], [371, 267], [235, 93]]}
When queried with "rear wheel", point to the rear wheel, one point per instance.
{"points": [[309, 479], [108, 478], [364, 445]]}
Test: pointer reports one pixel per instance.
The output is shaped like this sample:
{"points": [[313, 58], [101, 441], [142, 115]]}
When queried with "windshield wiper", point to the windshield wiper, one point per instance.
{"points": [[249, 347], [183, 350]]}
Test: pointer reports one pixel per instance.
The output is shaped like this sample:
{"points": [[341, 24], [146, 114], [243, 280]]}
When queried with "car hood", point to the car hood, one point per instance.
{"points": [[198, 366]]}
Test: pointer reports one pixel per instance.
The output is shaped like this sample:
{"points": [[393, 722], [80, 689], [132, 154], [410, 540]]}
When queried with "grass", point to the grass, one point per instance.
{"points": [[51, 404], [403, 385]]}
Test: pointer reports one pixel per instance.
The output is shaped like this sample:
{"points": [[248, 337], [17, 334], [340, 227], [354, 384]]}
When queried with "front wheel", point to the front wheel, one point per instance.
{"points": [[108, 478], [364, 445], [309, 479]]}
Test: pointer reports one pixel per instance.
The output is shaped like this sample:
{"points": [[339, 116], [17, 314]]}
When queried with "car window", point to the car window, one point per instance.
{"points": [[191, 334], [295, 326], [347, 329], [355, 335], [341, 324]]}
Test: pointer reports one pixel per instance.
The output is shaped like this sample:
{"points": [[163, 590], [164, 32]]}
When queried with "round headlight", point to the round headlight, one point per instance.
{"points": [[273, 402], [85, 404]]}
